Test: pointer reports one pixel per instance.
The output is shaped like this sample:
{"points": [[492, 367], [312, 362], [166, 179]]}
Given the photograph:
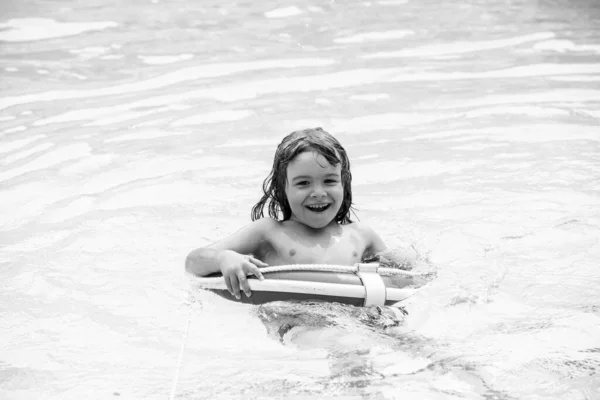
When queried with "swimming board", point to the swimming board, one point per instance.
{"points": [[358, 285]]}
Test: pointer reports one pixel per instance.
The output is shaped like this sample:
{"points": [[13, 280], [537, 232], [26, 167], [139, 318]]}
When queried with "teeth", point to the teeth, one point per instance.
{"points": [[318, 207]]}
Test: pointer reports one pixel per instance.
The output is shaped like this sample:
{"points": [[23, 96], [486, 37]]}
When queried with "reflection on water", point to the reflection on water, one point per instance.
{"points": [[130, 135]]}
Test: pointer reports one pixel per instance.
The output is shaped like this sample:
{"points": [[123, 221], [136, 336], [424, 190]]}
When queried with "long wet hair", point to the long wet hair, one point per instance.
{"points": [[297, 142]]}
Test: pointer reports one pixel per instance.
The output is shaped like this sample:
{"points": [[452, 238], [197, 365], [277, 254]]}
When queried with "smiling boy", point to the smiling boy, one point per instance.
{"points": [[310, 184]]}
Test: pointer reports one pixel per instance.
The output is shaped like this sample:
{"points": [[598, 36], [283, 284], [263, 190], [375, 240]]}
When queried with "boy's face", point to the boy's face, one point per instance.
{"points": [[314, 189]]}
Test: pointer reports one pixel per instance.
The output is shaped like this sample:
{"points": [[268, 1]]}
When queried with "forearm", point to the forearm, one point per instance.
{"points": [[203, 261]]}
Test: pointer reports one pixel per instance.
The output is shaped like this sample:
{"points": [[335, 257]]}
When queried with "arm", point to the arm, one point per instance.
{"points": [[232, 257], [377, 251], [375, 244]]}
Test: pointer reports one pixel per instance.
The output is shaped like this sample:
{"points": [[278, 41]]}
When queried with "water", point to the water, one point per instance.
{"points": [[133, 133]]}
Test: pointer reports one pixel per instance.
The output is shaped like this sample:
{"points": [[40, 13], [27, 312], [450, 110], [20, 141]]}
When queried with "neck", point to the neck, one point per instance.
{"points": [[315, 231]]}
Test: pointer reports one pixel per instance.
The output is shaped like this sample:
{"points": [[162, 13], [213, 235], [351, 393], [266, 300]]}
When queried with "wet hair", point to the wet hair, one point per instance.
{"points": [[297, 142]]}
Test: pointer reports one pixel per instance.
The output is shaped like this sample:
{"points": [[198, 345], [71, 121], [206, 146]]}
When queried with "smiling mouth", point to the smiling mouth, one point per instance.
{"points": [[318, 207]]}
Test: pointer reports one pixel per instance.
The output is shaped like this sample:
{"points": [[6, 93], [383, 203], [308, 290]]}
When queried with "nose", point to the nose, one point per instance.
{"points": [[318, 192]]}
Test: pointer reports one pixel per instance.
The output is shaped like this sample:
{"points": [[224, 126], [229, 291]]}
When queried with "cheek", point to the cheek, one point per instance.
{"points": [[291, 196]]}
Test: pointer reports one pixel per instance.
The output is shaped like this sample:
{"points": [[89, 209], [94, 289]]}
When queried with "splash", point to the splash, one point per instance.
{"points": [[283, 317]]}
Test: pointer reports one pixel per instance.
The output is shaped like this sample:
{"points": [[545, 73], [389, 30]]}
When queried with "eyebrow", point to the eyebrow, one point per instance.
{"points": [[309, 177]]}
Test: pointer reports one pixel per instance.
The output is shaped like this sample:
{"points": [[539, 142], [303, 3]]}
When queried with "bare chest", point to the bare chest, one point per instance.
{"points": [[283, 249]]}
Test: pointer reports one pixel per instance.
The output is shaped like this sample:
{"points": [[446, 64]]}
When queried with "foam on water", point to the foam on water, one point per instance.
{"points": [[72, 209], [153, 195], [393, 121], [539, 97], [152, 122], [229, 93], [392, 2], [385, 172], [106, 115], [243, 91], [26, 153], [216, 116], [563, 46], [87, 53], [146, 134], [112, 118], [31, 29], [374, 36], [584, 79], [161, 60], [539, 133], [527, 133], [91, 164], [25, 208], [307, 83], [283, 12], [8, 146], [546, 70], [371, 97], [462, 47], [358, 77], [533, 111], [18, 128], [183, 75], [48, 160], [37, 242], [245, 144]]}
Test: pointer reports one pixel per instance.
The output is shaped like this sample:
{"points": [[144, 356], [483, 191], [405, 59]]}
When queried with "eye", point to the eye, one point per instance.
{"points": [[331, 181], [301, 183]]}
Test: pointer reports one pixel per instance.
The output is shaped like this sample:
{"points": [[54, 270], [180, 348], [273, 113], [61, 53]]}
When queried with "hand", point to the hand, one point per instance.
{"points": [[235, 267]]}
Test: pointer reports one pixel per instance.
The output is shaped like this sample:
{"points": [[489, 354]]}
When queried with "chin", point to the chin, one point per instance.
{"points": [[318, 225]]}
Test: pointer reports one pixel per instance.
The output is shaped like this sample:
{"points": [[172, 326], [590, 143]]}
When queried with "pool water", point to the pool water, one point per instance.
{"points": [[132, 133]]}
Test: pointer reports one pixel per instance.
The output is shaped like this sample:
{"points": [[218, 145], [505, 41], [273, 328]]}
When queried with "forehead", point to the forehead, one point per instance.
{"points": [[311, 163]]}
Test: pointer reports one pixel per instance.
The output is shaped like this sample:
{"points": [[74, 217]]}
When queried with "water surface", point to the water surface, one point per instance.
{"points": [[133, 133]]}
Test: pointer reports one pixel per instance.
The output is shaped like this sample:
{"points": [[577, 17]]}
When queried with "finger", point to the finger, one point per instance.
{"points": [[257, 262], [253, 264], [252, 269], [244, 285], [235, 286], [256, 272], [228, 284]]}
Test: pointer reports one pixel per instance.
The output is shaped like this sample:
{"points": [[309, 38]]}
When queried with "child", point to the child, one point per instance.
{"points": [[309, 198]]}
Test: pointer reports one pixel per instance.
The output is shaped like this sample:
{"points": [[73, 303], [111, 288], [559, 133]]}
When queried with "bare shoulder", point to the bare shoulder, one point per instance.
{"points": [[372, 240], [362, 229], [248, 239], [263, 226]]}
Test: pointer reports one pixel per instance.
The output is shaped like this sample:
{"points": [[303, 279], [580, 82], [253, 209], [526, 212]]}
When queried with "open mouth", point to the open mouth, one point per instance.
{"points": [[318, 207]]}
